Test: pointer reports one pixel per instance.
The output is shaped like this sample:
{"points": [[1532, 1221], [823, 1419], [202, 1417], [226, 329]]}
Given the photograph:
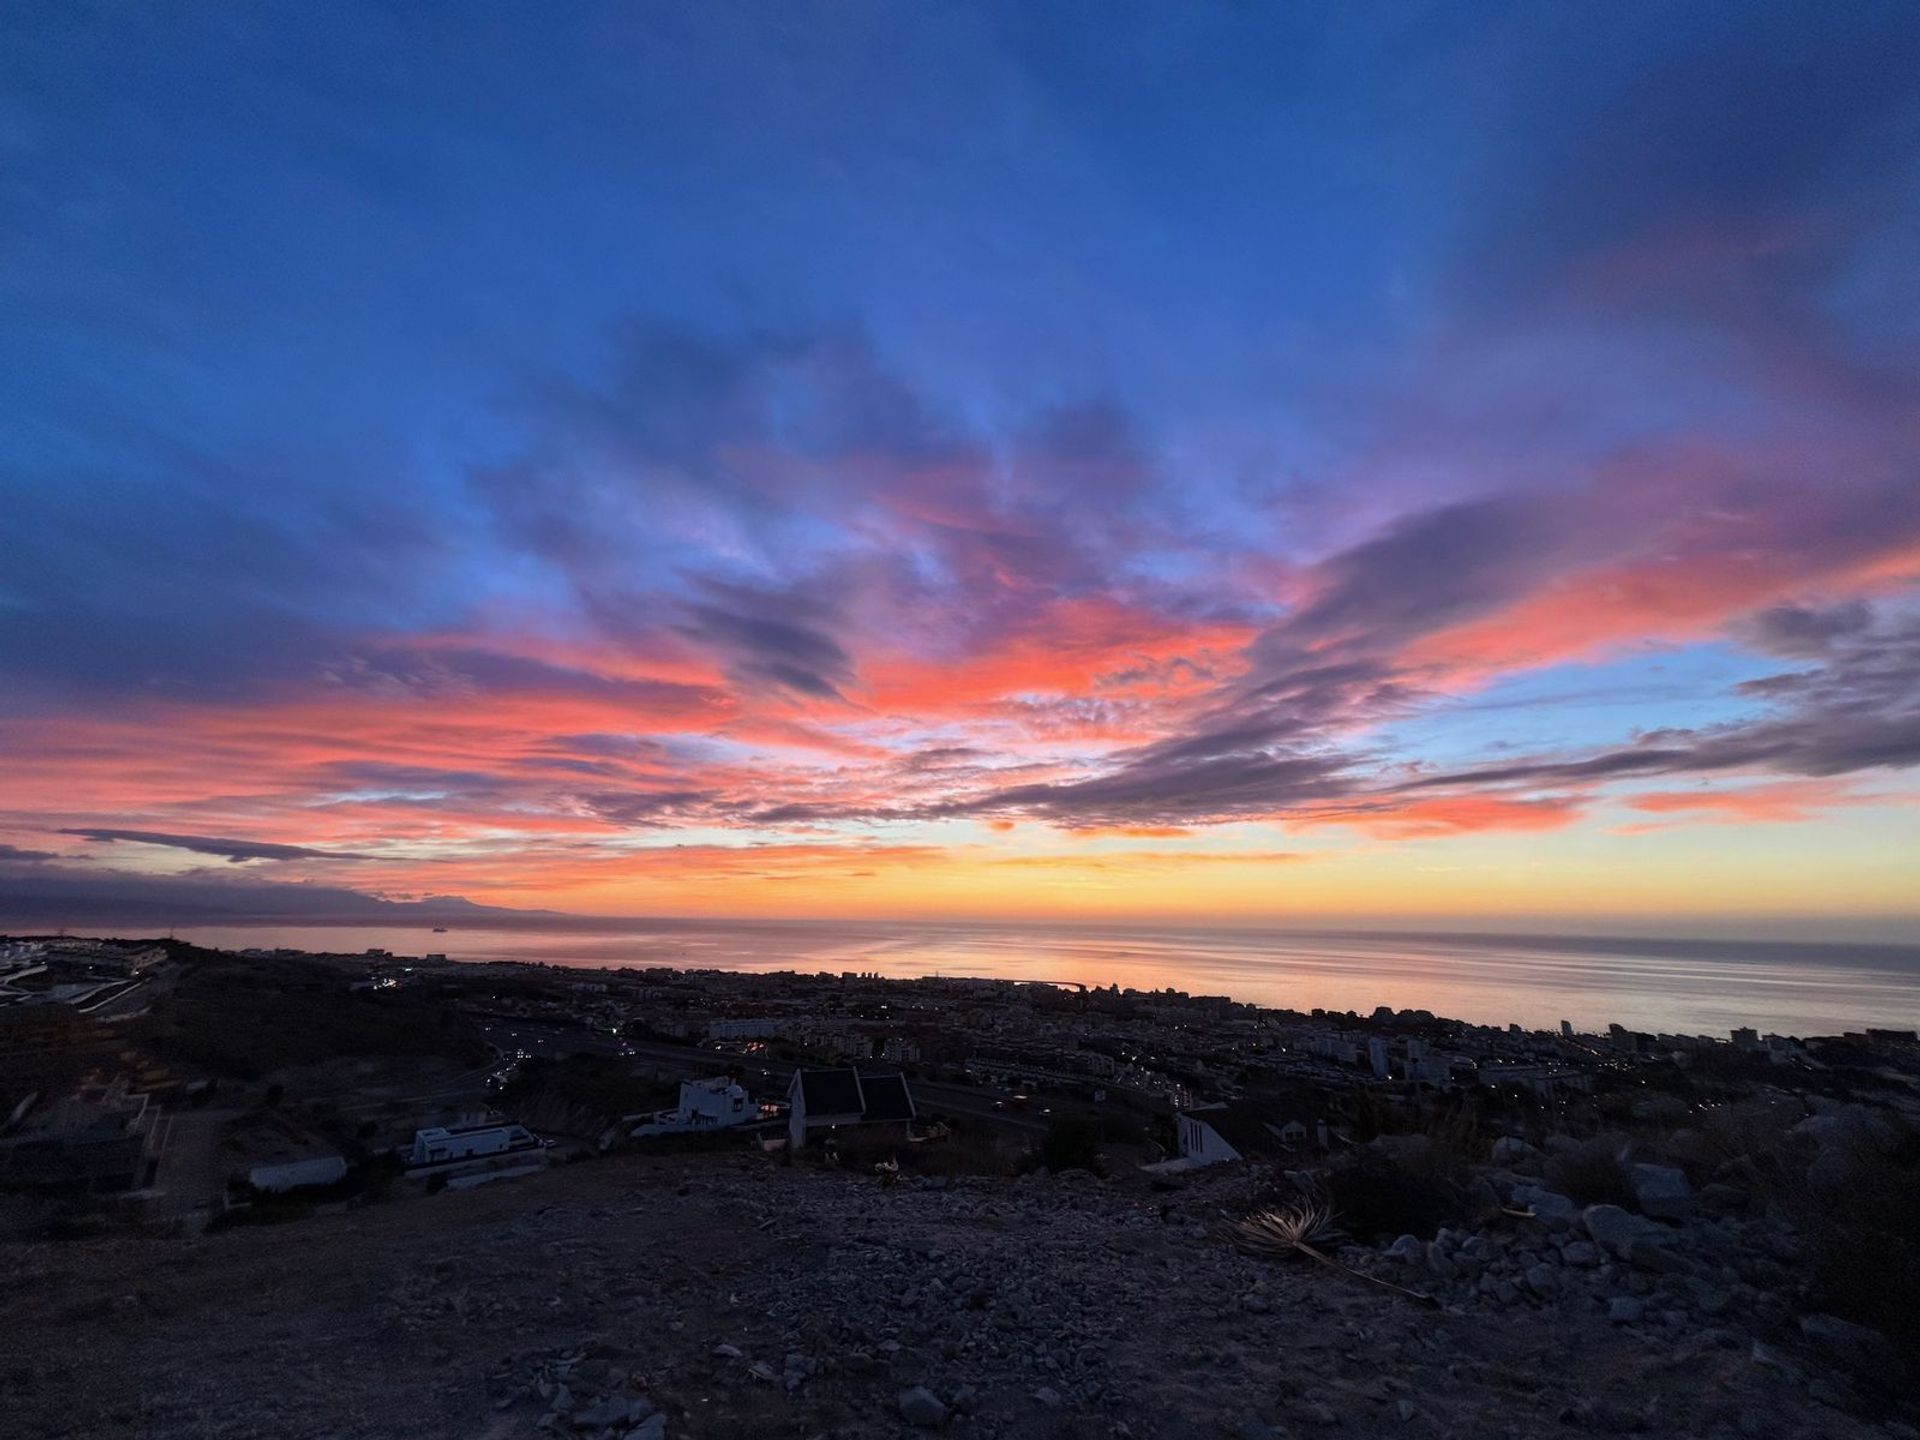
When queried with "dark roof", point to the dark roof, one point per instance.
{"points": [[831, 1092], [887, 1097]]}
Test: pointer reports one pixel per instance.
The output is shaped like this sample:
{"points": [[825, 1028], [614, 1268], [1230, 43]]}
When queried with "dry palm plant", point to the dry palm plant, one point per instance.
{"points": [[1289, 1231]]}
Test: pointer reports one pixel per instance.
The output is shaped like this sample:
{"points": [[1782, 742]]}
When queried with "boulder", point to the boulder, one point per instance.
{"points": [[1583, 1253], [612, 1410], [1548, 1205], [1511, 1150], [1721, 1198], [1661, 1191], [921, 1408], [1653, 1254], [1625, 1310], [1865, 1352], [1407, 1249], [1614, 1229]]}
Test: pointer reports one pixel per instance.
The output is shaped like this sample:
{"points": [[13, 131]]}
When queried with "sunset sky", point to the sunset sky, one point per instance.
{"points": [[1360, 464]]}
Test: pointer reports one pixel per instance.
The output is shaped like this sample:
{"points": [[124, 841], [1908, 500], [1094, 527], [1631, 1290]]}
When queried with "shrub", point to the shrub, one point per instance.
{"points": [[1121, 1128], [1862, 1225], [1071, 1143], [1592, 1175], [1458, 1130], [1412, 1188]]}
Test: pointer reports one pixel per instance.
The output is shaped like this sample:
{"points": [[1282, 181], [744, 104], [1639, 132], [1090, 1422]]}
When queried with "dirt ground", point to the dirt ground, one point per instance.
{"points": [[734, 1297]]}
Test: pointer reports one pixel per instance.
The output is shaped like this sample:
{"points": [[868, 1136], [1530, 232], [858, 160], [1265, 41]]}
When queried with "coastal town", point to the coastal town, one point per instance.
{"points": [[113, 1082]]}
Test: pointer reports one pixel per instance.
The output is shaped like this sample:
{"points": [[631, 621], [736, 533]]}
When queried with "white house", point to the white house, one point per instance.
{"points": [[439, 1145], [705, 1105]]}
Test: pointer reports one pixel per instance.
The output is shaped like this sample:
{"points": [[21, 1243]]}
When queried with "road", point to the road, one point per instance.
{"points": [[549, 1042], [137, 996], [193, 1172]]}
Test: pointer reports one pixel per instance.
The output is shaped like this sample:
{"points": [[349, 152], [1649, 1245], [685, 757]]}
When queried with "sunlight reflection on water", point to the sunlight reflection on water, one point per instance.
{"points": [[1686, 986]]}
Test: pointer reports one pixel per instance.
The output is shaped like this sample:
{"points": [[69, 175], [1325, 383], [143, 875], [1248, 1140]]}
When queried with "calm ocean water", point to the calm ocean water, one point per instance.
{"points": [[1674, 985]]}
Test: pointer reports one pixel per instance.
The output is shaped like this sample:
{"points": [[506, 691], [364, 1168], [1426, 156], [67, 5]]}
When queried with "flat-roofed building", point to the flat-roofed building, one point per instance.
{"points": [[439, 1145]]}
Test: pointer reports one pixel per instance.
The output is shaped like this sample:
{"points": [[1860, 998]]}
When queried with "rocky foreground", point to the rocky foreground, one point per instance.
{"points": [[655, 1299]]}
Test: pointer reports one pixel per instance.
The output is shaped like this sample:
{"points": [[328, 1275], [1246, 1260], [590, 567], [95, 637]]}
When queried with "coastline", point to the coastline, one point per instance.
{"points": [[1680, 985]]}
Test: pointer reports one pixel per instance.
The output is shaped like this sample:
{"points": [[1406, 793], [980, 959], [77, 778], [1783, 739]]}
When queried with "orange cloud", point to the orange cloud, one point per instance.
{"points": [[1090, 647], [1775, 802], [1441, 815], [1152, 859]]}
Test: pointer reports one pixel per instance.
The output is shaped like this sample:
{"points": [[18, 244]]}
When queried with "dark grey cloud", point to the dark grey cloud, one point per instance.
{"points": [[17, 855], [649, 807], [1429, 571], [51, 896], [800, 812], [1858, 711], [941, 757], [1804, 631], [234, 851], [617, 747], [1335, 664], [771, 638], [387, 775], [1146, 792]]}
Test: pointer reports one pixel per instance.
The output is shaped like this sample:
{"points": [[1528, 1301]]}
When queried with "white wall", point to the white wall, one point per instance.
{"points": [[1199, 1141]]}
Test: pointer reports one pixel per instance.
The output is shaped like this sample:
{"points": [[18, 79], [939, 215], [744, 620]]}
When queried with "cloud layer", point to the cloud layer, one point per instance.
{"points": [[622, 504]]}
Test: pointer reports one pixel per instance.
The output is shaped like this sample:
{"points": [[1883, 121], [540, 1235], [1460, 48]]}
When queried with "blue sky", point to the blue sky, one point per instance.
{"points": [[1389, 427]]}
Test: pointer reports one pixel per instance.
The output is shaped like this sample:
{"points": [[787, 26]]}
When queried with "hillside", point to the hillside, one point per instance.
{"points": [[720, 1295]]}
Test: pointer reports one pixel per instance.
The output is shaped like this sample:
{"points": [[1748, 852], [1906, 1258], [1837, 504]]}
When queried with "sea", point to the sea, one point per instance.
{"points": [[1674, 986]]}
